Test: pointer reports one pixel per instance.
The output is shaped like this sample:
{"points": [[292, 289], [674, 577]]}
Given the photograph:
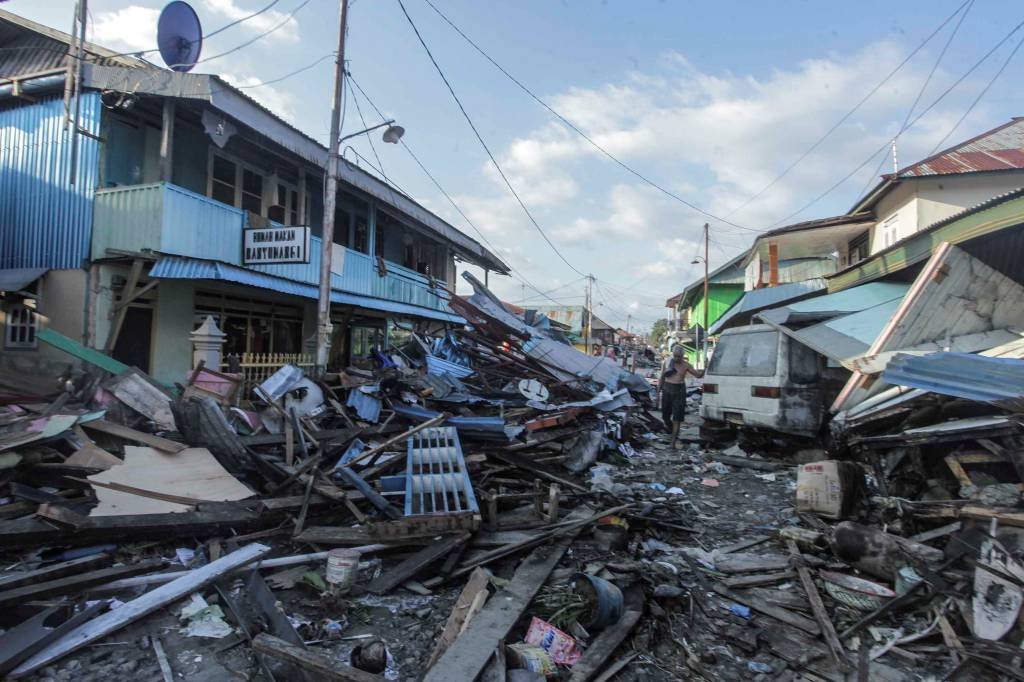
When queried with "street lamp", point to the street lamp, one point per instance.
{"points": [[392, 135]]}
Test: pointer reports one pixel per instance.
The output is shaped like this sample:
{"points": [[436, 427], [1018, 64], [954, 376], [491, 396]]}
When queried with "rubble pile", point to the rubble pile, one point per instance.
{"points": [[492, 503]]}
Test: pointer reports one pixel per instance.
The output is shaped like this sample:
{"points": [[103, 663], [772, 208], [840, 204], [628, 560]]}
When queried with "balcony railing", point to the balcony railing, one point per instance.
{"points": [[169, 219]]}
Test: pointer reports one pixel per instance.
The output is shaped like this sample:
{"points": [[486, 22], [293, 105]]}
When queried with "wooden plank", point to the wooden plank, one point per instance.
{"points": [[74, 583], [1009, 518], [743, 544], [140, 607], [468, 654], [761, 606], [460, 615], [53, 571], [744, 463], [391, 441], [135, 391], [73, 348], [612, 670], [604, 646], [751, 563], [939, 532], [828, 630], [755, 579], [151, 482], [323, 667], [103, 426], [397, 575], [161, 660], [119, 314], [542, 471]]}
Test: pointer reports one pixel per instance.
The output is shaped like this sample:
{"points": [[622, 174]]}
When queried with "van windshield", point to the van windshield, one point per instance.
{"points": [[753, 354]]}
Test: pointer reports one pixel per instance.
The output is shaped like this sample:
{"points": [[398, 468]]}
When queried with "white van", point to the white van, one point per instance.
{"points": [[759, 379]]}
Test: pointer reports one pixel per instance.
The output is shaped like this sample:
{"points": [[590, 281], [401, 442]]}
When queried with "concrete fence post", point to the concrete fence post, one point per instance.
{"points": [[207, 344]]}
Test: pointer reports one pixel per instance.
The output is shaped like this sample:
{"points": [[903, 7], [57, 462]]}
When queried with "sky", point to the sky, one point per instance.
{"points": [[711, 101]]}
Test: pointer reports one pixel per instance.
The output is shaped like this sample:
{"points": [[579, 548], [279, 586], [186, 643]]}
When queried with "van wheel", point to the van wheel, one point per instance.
{"points": [[717, 432]]}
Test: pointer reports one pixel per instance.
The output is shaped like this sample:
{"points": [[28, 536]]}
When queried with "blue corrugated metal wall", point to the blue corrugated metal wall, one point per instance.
{"points": [[45, 221]]}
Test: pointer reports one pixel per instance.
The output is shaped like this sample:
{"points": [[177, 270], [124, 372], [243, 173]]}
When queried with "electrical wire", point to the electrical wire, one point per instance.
{"points": [[296, 72], [920, 93], [243, 19], [977, 99], [852, 111], [483, 144], [576, 128], [522, 279], [260, 36], [906, 127], [369, 138]]}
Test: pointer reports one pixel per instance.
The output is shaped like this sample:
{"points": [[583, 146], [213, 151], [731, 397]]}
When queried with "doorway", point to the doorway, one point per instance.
{"points": [[135, 339]]}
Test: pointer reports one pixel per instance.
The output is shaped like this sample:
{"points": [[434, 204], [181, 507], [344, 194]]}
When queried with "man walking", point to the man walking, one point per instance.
{"points": [[673, 390]]}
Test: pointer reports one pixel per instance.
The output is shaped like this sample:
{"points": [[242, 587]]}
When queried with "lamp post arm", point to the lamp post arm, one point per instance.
{"points": [[370, 129]]}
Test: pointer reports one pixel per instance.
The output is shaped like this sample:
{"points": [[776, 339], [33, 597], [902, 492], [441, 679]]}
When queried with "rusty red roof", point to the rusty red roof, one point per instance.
{"points": [[1001, 148]]}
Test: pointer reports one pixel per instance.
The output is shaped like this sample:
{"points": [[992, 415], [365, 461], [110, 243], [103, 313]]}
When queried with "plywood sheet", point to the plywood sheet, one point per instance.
{"points": [[192, 473]]}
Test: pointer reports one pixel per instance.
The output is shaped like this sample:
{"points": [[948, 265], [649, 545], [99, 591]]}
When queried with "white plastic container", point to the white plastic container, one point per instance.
{"points": [[342, 568]]}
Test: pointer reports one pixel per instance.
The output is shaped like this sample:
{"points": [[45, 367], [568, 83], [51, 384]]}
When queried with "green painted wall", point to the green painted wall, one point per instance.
{"points": [[171, 358], [722, 297]]}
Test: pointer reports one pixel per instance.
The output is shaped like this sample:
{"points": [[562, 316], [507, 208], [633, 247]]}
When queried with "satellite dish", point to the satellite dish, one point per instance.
{"points": [[179, 36]]}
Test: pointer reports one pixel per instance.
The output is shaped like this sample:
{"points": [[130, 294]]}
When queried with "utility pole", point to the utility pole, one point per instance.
{"points": [[590, 311], [323, 309], [706, 302]]}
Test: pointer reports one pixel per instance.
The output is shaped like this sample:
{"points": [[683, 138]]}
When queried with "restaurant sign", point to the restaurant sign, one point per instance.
{"points": [[268, 245]]}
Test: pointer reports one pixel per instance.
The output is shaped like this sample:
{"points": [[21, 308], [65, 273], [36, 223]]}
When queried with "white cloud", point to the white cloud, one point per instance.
{"points": [[715, 139], [129, 28], [230, 10], [277, 101]]}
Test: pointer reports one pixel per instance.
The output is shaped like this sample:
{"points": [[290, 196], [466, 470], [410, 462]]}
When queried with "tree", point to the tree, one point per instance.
{"points": [[658, 331]]}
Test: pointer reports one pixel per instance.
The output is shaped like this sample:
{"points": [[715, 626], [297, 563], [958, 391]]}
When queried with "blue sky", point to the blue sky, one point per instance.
{"points": [[710, 99]]}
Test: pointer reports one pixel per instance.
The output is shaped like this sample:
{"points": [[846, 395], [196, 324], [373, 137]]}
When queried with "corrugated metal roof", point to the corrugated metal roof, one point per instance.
{"points": [[998, 149], [999, 381], [31, 48], [175, 267], [759, 299]]}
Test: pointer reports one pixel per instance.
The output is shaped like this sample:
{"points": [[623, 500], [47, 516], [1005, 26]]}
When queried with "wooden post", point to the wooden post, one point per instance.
{"points": [[773, 264], [167, 141]]}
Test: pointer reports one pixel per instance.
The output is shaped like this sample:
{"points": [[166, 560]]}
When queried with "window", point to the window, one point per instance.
{"points": [[21, 326], [284, 205], [804, 363], [223, 180], [890, 230], [252, 325], [857, 249], [753, 354], [361, 238], [252, 191]]}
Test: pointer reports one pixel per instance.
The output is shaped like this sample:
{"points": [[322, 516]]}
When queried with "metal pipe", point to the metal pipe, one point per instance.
{"points": [[32, 86]]}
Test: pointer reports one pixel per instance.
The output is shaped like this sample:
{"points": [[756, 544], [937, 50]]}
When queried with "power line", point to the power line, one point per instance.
{"points": [[574, 127], [369, 138], [920, 93], [849, 113], [260, 36], [239, 21], [296, 72], [487, 149], [446, 195], [978, 98], [907, 127]]}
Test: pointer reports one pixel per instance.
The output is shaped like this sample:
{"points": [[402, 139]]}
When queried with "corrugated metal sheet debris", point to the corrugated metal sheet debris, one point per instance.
{"points": [[759, 299], [999, 381], [16, 279], [833, 305]]}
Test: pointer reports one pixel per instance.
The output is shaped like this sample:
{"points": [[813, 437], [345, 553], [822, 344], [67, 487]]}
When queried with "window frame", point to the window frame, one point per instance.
{"points": [[11, 324]]}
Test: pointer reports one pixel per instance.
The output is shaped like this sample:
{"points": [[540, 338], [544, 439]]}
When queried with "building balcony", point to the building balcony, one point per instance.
{"points": [[166, 219]]}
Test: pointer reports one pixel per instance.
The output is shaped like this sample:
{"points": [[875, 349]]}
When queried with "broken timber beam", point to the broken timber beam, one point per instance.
{"points": [[138, 608], [323, 667], [468, 655], [604, 646], [149, 439], [74, 583], [391, 579], [828, 630]]}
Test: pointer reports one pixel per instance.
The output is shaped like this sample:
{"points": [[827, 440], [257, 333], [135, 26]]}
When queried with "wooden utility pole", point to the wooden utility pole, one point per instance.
{"points": [[590, 312], [323, 309], [706, 302]]}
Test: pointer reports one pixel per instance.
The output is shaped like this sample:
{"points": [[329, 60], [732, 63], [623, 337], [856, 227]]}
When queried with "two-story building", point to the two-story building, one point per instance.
{"points": [[177, 196], [575, 319]]}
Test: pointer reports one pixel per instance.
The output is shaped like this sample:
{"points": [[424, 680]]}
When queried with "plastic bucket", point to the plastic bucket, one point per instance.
{"points": [[610, 537], [342, 568], [605, 600]]}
